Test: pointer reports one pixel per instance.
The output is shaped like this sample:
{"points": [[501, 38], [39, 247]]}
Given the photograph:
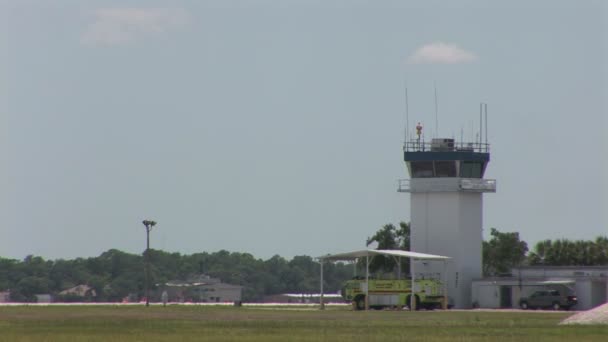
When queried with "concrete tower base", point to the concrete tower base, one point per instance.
{"points": [[447, 220]]}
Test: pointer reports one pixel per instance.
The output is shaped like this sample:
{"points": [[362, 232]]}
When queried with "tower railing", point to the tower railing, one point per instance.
{"points": [[472, 184], [403, 185], [416, 145], [447, 184]]}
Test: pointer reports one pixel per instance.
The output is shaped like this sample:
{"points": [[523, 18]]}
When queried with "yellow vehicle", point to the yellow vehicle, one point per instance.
{"points": [[428, 293]]}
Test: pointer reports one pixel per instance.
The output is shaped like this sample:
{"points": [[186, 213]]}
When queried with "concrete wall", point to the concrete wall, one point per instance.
{"points": [[218, 292], [590, 293], [449, 223], [225, 294], [44, 298], [486, 296], [582, 289], [561, 271], [598, 292]]}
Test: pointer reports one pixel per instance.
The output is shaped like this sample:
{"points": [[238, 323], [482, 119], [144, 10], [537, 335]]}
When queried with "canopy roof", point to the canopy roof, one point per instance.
{"points": [[371, 252], [557, 282]]}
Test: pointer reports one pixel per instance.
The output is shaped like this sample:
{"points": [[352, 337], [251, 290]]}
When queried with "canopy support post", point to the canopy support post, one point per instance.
{"points": [[445, 285], [413, 295], [399, 268], [322, 302], [367, 282], [398, 261]]}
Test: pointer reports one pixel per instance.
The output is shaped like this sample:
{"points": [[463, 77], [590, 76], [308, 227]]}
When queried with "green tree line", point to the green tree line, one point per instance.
{"points": [[506, 250], [115, 275]]}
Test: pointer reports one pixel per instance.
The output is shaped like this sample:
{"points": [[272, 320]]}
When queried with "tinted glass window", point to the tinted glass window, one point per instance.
{"points": [[470, 169], [422, 169], [445, 169]]}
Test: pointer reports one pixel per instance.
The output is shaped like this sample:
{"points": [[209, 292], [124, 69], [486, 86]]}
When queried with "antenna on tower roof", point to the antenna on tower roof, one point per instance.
{"points": [[480, 124], [436, 114], [486, 122], [407, 116], [483, 126]]}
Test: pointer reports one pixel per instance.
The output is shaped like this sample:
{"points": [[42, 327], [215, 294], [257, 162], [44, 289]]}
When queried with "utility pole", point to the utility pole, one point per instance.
{"points": [[148, 224]]}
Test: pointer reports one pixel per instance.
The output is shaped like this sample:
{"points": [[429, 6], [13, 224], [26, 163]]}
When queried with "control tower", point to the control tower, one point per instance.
{"points": [[446, 186]]}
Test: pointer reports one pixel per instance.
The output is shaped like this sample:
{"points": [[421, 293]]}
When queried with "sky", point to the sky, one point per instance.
{"points": [[276, 127]]}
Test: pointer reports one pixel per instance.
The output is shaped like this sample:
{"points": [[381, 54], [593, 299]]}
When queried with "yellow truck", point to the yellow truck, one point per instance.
{"points": [[428, 293]]}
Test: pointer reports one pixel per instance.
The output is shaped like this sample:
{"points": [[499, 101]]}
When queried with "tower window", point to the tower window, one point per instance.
{"points": [[470, 169], [445, 169], [422, 169]]}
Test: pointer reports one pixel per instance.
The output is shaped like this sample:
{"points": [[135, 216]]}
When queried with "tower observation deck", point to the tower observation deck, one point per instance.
{"points": [[463, 164], [446, 185]]}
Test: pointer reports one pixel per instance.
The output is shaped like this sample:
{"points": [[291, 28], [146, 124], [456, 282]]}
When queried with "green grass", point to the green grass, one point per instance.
{"points": [[207, 323]]}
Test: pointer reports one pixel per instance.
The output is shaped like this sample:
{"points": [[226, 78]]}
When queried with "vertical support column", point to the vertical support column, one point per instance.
{"points": [[399, 268], [148, 224], [322, 302], [445, 285], [413, 292], [147, 261], [367, 282]]}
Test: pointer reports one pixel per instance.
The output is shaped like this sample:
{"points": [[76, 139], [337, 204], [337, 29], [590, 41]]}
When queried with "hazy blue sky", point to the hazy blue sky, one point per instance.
{"points": [[276, 127]]}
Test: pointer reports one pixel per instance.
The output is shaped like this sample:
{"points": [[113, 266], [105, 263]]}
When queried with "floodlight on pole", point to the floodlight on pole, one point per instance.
{"points": [[149, 225]]}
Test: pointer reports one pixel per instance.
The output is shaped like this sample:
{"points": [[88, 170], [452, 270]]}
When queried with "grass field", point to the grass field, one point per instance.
{"points": [[208, 323]]}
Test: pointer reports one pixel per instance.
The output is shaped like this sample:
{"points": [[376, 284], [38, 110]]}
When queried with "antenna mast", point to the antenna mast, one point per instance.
{"points": [[480, 123], [486, 122], [436, 115], [407, 117]]}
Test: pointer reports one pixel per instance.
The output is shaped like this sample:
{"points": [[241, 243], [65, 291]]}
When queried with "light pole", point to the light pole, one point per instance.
{"points": [[148, 224]]}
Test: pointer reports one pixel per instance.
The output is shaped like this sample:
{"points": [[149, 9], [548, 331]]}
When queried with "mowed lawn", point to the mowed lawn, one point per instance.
{"points": [[209, 323]]}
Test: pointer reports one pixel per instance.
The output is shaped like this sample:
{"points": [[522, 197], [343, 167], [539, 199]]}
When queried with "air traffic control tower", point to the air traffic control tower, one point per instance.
{"points": [[446, 186]]}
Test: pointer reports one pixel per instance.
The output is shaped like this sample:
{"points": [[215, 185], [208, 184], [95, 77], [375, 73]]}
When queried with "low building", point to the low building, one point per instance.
{"points": [[5, 296], [220, 292], [303, 298], [44, 298], [589, 283], [79, 291], [202, 288]]}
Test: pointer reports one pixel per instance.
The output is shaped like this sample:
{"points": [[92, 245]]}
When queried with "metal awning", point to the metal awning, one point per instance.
{"points": [[349, 256], [370, 253], [557, 282]]}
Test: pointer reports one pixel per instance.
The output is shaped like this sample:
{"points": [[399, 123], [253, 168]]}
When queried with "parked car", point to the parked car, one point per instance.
{"points": [[554, 299]]}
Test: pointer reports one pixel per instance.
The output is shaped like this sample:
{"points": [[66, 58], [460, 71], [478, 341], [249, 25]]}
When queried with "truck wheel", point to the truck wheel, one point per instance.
{"points": [[523, 305], [556, 306], [360, 303], [409, 302]]}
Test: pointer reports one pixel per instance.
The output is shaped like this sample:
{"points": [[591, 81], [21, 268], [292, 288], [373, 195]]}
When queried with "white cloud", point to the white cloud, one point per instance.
{"points": [[114, 26], [441, 53]]}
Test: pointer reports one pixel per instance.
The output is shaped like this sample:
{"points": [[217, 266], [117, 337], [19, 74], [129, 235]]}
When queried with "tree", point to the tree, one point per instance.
{"points": [[404, 235], [563, 252], [389, 237], [30, 286], [116, 274], [503, 252]]}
